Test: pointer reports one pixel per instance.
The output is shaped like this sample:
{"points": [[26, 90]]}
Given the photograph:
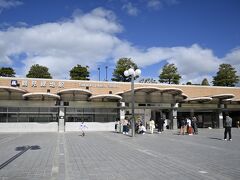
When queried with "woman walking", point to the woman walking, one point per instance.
{"points": [[151, 125]]}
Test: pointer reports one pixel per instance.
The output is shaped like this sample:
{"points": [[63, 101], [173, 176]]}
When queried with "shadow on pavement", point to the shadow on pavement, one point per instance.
{"points": [[215, 138], [22, 150]]}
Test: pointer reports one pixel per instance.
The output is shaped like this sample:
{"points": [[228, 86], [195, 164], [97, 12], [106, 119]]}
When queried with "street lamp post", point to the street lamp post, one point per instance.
{"points": [[99, 74], [106, 72], [131, 72]]}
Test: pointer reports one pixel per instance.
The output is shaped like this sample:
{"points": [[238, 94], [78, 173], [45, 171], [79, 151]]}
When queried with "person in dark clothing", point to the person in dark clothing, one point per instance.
{"points": [[228, 126], [194, 125], [116, 124], [183, 124], [160, 123]]}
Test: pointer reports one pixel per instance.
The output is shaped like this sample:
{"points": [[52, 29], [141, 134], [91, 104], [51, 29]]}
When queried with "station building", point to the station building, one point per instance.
{"points": [[39, 105]]}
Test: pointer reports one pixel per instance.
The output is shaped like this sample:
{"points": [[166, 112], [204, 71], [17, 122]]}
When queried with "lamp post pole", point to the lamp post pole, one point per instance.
{"points": [[106, 72], [99, 74], [133, 102], [132, 73]]}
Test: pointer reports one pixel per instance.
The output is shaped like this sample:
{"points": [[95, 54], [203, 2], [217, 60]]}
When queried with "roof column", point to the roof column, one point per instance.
{"points": [[191, 113], [220, 115], [61, 120], [122, 116], [9, 95], [173, 116], [122, 110]]}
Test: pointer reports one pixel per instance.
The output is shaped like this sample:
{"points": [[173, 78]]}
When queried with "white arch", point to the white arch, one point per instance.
{"points": [[106, 96], [40, 95]]}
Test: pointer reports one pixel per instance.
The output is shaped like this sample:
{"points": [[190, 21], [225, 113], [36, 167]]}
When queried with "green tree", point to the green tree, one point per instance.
{"points": [[122, 65], [7, 72], [37, 71], [205, 82], [79, 73], [189, 83], [169, 74], [226, 76]]}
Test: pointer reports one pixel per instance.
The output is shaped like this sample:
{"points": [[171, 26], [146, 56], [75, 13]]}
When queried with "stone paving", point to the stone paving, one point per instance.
{"points": [[110, 156]]}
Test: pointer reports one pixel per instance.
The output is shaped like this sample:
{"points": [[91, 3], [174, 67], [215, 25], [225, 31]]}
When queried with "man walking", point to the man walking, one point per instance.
{"points": [[228, 126], [194, 125], [82, 128], [160, 124]]}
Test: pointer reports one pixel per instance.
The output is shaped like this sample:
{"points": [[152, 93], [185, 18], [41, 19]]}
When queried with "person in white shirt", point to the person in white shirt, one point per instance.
{"points": [[142, 129], [189, 126], [151, 125], [82, 128]]}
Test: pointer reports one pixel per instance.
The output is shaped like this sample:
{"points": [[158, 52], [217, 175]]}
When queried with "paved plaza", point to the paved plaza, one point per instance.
{"points": [[110, 156]]}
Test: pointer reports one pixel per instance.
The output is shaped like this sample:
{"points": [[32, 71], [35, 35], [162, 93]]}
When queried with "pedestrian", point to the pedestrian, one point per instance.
{"points": [[238, 124], [182, 126], [228, 126], [82, 128], [125, 126], [151, 125], [194, 125], [137, 125], [189, 126], [142, 129], [160, 123], [116, 124]]}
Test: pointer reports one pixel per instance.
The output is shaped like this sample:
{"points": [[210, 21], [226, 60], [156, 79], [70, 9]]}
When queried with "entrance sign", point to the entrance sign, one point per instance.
{"points": [[97, 85], [13, 83], [42, 83]]}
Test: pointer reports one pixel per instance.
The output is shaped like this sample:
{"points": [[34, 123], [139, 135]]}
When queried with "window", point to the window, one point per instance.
{"points": [[66, 103]]}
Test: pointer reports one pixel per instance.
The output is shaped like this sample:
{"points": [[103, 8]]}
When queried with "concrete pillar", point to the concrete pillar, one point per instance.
{"points": [[122, 110], [147, 115], [61, 127], [122, 116], [174, 117], [61, 120], [220, 116], [191, 113]]}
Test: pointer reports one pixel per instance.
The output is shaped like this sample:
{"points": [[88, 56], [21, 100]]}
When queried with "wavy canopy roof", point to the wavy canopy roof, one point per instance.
{"points": [[199, 99], [149, 90], [223, 96], [10, 89], [231, 100], [8, 92], [74, 94], [41, 96], [105, 97], [154, 95], [74, 91]]}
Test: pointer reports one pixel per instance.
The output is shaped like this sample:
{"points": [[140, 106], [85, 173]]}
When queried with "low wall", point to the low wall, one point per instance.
{"points": [[29, 127], [53, 127], [91, 126]]}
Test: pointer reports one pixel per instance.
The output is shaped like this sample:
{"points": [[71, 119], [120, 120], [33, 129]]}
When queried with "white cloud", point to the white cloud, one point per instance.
{"points": [[91, 39], [6, 4], [87, 39], [192, 61], [4, 59], [131, 10], [171, 2], [233, 58], [155, 4]]}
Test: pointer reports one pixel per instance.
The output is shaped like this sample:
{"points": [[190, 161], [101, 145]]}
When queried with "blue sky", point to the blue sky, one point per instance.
{"points": [[195, 35]]}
